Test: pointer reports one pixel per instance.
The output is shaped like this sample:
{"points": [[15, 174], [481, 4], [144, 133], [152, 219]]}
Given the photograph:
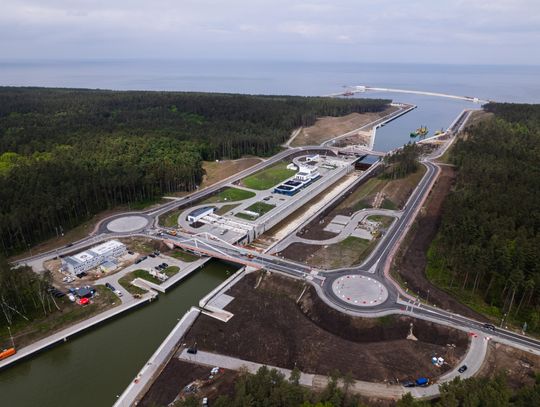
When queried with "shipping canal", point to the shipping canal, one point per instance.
{"points": [[93, 368]]}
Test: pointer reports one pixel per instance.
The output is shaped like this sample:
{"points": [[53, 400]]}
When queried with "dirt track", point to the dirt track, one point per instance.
{"points": [[412, 259], [178, 374], [268, 327]]}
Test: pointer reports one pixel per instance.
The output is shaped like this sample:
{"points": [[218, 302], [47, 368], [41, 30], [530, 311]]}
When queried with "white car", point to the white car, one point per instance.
{"points": [[118, 292]]}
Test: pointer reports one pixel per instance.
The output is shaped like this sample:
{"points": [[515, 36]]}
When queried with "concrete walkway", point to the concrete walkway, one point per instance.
{"points": [[348, 230], [227, 362], [473, 359], [65, 334], [146, 376]]}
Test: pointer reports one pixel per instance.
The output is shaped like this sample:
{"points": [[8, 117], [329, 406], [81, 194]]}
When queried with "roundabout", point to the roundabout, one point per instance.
{"points": [[359, 290], [126, 224]]}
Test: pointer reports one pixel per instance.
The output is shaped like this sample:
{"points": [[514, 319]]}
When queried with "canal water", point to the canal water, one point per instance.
{"points": [[93, 368], [434, 113]]}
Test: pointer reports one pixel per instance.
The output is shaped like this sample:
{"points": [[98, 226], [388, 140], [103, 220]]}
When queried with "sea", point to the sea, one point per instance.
{"points": [[502, 83]]}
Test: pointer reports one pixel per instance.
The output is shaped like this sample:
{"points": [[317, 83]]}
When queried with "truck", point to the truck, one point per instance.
{"points": [[422, 381]]}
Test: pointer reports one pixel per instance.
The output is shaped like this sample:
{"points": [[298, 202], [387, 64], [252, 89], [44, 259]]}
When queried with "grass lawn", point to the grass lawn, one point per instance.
{"points": [[126, 280], [260, 207], [388, 204], [219, 170], [395, 191], [230, 195], [386, 221], [183, 255], [171, 271], [268, 177], [170, 219], [348, 252], [359, 198], [225, 208], [24, 333]]}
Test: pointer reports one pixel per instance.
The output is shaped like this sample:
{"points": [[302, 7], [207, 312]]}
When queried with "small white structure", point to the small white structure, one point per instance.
{"points": [[93, 257], [200, 213], [306, 173], [292, 166]]}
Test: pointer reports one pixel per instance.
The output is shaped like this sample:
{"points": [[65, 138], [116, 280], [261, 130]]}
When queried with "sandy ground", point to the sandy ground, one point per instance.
{"points": [[520, 367], [219, 170], [328, 127], [178, 374], [268, 327]]}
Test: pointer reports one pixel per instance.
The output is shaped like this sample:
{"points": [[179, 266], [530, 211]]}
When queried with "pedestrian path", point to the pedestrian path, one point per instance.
{"points": [[65, 334], [148, 373]]}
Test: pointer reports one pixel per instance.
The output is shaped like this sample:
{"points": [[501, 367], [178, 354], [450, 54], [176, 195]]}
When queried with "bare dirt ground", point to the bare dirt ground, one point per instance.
{"points": [[217, 171], [411, 261], [268, 327], [520, 367], [178, 374], [329, 127]]}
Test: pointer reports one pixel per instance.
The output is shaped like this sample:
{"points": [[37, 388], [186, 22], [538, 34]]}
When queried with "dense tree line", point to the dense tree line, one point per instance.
{"points": [[23, 296], [480, 392], [402, 162], [489, 240], [269, 388], [67, 154]]}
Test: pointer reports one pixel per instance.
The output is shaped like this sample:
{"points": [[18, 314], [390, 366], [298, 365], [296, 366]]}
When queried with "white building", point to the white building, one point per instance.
{"points": [[200, 213], [306, 173], [93, 257]]}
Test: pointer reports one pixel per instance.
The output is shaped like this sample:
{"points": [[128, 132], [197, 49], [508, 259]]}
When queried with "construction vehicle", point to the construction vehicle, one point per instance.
{"points": [[422, 131]]}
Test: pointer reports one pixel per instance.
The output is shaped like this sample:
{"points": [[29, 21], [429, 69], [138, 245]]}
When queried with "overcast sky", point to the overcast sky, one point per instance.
{"points": [[457, 31]]}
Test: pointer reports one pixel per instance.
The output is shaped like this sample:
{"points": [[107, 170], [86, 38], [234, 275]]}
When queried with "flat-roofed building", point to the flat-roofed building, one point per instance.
{"points": [[200, 213], [93, 257]]}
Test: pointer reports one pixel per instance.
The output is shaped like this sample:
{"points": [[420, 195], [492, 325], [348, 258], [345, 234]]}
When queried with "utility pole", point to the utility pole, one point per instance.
{"points": [[11, 336]]}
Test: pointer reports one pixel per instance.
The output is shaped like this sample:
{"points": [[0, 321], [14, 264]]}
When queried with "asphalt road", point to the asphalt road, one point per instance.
{"points": [[374, 266]]}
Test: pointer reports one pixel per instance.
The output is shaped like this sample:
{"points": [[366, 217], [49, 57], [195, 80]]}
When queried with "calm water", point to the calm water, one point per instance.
{"points": [[95, 367], [92, 369]]}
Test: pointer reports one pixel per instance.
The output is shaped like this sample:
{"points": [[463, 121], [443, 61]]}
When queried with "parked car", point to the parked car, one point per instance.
{"points": [[110, 286], [462, 369], [130, 252], [157, 252], [408, 383], [152, 255], [118, 293], [165, 265]]}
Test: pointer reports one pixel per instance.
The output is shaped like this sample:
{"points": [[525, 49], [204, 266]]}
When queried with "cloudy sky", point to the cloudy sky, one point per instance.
{"points": [[446, 31]]}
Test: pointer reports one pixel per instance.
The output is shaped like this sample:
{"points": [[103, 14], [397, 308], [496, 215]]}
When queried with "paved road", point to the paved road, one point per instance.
{"points": [[375, 266]]}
